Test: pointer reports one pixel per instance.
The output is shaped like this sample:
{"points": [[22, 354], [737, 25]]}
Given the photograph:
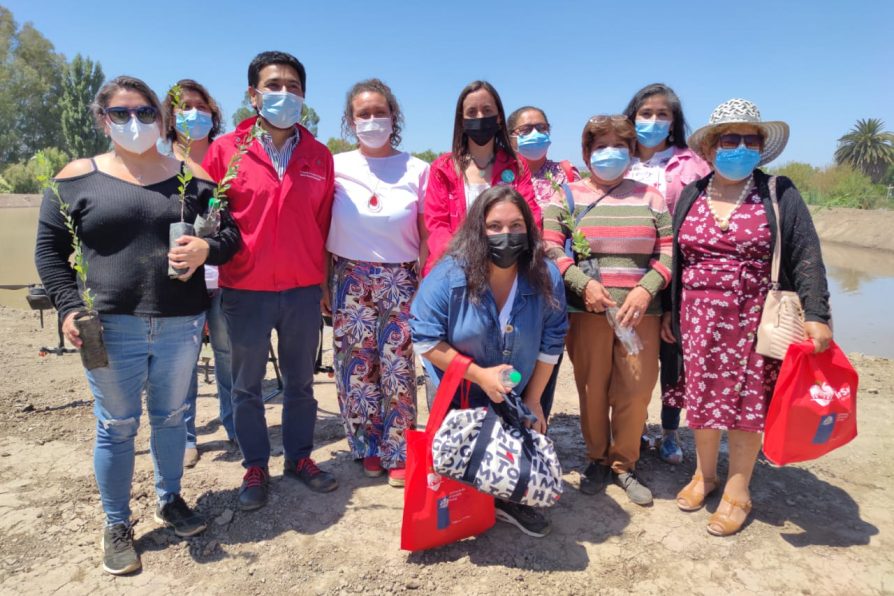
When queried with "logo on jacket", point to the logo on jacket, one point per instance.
{"points": [[434, 481]]}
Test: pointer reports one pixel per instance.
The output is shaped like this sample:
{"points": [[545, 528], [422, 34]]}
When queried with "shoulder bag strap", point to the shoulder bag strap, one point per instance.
{"points": [[446, 390], [777, 247]]}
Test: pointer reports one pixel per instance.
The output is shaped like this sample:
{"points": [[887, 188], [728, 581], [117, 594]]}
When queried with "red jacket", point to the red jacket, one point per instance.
{"points": [[445, 199], [284, 223]]}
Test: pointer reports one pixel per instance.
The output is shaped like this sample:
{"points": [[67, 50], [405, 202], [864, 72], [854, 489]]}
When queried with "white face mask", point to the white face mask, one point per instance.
{"points": [[134, 136], [373, 132]]}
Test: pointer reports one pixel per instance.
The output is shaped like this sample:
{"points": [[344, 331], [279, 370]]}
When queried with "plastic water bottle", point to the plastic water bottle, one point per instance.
{"points": [[628, 336], [510, 378]]}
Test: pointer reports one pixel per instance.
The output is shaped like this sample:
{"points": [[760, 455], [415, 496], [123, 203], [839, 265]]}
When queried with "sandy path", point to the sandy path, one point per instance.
{"points": [[821, 528]]}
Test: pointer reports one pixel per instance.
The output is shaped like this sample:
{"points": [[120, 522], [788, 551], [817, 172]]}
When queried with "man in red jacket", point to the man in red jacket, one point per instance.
{"points": [[282, 203]]}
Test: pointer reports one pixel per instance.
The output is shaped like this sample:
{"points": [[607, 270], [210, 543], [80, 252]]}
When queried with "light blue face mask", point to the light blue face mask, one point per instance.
{"points": [[280, 108], [195, 123], [651, 133], [736, 164], [610, 163], [534, 145]]}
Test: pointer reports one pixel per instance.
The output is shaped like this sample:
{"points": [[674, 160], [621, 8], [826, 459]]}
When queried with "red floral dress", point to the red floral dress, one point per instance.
{"points": [[726, 276]]}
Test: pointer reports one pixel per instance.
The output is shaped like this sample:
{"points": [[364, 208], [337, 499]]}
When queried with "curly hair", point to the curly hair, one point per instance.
{"points": [[470, 247], [373, 86], [171, 120]]}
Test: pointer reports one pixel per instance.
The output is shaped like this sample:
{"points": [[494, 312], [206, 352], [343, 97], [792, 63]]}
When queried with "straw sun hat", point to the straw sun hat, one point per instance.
{"points": [[742, 111]]}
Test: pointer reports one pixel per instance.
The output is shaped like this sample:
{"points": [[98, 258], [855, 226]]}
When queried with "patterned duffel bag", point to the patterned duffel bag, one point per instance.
{"points": [[493, 450]]}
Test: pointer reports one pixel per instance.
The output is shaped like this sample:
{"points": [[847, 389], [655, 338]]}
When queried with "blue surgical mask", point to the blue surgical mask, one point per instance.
{"points": [[651, 133], [736, 164], [195, 123], [609, 163], [281, 108], [534, 145]]}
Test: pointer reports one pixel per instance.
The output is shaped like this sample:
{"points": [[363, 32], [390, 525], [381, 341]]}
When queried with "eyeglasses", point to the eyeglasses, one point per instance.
{"points": [[526, 129], [121, 115], [606, 117], [732, 140]]}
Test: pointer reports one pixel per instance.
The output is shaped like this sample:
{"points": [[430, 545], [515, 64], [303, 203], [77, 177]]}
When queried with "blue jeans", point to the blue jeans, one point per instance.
{"points": [[220, 345], [157, 354], [251, 316]]}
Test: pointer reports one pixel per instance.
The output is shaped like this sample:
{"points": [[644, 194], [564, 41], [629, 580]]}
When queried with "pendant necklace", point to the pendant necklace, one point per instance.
{"points": [[723, 222], [374, 204], [483, 170]]}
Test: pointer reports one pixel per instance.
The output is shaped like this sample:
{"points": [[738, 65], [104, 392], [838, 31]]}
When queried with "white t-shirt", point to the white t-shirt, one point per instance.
{"points": [[376, 207], [211, 277]]}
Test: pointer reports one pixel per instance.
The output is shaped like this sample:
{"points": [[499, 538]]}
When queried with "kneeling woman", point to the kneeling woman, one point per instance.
{"points": [[496, 298]]}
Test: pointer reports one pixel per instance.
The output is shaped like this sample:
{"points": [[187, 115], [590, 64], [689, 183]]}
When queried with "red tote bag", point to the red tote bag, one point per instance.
{"points": [[814, 405], [438, 510]]}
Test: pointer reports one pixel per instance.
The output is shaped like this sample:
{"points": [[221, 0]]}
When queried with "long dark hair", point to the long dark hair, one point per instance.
{"points": [[470, 248], [461, 154], [679, 129]]}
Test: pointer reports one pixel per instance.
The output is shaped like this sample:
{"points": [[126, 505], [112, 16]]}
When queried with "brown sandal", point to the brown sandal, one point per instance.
{"points": [[689, 500], [721, 524]]}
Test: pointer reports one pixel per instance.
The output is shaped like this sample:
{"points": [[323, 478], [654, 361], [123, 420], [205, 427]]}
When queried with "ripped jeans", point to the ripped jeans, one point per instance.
{"points": [[157, 354]]}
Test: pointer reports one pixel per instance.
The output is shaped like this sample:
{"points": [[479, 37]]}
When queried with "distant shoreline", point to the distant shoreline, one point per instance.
{"points": [[868, 229]]}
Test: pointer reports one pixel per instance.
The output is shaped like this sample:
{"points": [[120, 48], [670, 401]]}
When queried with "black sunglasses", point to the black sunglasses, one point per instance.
{"points": [[732, 140], [121, 115], [526, 129]]}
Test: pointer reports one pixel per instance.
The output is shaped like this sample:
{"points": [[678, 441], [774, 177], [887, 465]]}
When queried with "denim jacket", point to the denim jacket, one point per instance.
{"points": [[442, 311]]}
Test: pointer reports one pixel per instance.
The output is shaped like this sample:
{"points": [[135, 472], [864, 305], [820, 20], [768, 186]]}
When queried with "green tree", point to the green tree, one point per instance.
{"points": [[30, 91], [868, 148], [803, 175], [337, 145], [21, 178], [428, 155], [82, 79], [309, 117]]}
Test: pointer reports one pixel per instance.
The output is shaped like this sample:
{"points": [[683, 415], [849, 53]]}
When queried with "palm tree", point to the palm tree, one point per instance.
{"points": [[868, 148]]}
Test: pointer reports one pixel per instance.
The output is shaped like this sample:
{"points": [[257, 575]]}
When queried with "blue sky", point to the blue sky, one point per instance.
{"points": [[819, 65]]}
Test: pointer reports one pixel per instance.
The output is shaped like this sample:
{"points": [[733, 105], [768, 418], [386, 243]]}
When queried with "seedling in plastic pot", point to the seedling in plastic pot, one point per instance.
{"points": [[93, 350], [184, 177]]}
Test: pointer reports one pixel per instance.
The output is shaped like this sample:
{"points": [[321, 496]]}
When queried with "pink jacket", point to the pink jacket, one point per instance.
{"points": [[684, 167], [445, 199]]}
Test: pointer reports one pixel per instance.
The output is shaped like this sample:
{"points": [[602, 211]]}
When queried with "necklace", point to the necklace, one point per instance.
{"points": [[723, 222], [375, 203], [482, 170]]}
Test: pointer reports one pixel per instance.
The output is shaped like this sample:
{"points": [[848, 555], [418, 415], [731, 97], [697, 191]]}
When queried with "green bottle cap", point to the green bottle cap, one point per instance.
{"points": [[214, 203], [515, 377]]}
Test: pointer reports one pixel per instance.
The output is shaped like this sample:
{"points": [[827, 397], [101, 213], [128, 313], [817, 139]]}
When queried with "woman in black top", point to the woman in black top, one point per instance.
{"points": [[122, 204]]}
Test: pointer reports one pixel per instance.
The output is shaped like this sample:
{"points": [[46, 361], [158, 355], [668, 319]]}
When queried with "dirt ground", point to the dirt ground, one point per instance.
{"points": [[820, 528]]}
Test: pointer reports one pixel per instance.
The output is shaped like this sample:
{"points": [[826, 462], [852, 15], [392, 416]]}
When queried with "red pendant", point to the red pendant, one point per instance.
{"points": [[374, 204]]}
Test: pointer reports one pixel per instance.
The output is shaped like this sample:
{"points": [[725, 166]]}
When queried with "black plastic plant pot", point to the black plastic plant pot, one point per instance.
{"points": [[178, 229], [93, 350], [591, 268]]}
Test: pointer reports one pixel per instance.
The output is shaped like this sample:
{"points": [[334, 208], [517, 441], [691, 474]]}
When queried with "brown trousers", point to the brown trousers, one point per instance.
{"points": [[614, 388]]}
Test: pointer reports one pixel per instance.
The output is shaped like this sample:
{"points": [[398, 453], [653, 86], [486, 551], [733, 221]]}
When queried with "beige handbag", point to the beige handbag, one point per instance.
{"points": [[782, 320]]}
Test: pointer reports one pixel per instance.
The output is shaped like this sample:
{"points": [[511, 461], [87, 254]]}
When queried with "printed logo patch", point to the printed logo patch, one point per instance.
{"points": [[824, 432]]}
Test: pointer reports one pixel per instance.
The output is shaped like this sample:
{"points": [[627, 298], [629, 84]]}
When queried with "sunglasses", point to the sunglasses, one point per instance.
{"points": [[731, 141], [526, 129], [120, 115], [604, 118]]}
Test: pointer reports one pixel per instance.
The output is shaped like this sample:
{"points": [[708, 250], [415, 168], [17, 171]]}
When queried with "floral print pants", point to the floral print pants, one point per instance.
{"points": [[375, 370]]}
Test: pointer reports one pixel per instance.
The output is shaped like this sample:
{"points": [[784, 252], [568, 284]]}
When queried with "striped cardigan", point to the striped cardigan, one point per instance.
{"points": [[629, 232]]}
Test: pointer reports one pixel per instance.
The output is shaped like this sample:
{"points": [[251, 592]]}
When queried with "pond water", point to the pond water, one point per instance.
{"points": [[861, 282]]}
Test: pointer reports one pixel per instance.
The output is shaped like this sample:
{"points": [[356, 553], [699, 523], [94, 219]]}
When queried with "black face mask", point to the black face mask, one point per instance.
{"points": [[505, 249], [481, 130]]}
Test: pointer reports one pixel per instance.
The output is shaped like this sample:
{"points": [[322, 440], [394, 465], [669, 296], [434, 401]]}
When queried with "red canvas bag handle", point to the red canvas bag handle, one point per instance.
{"points": [[446, 390]]}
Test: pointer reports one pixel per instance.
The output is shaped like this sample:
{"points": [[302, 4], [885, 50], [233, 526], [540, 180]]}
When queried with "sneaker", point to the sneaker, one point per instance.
{"points": [[307, 472], [253, 492], [595, 478], [397, 477], [372, 467], [119, 556], [176, 514], [637, 492], [525, 518], [670, 451], [190, 457]]}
